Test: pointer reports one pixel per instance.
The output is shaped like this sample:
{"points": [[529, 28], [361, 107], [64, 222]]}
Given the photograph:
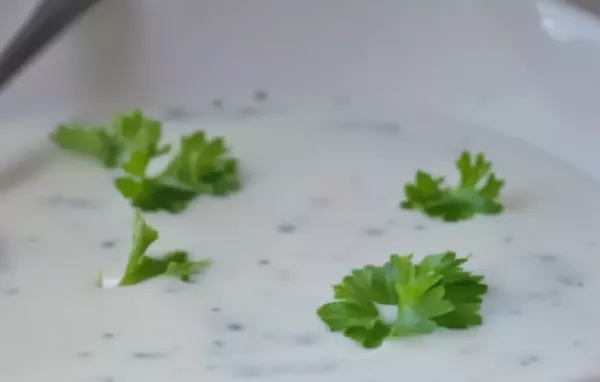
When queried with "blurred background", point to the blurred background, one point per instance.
{"points": [[485, 62]]}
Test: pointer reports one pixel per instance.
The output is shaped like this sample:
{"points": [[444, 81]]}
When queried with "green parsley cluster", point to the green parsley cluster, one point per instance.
{"points": [[201, 167], [476, 193], [435, 292]]}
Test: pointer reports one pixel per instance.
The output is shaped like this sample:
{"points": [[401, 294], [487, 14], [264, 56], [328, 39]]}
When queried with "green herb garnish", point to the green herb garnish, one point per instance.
{"points": [[437, 292], [141, 267], [128, 132], [476, 193], [94, 142], [201, 166]]}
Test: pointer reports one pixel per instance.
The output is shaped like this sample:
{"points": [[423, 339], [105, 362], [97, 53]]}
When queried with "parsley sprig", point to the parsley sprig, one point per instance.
{"points": [[202, 166], [477, 192], [141, 267], [436, 292], [127, 132]]}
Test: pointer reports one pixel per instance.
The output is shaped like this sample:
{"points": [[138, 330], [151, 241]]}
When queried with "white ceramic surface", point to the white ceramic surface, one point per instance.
{"points": [[334, 181], [486, 62]]}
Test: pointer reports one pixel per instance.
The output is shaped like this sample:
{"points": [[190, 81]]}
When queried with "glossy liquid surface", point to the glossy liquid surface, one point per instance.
{"points": [[321, 197]]}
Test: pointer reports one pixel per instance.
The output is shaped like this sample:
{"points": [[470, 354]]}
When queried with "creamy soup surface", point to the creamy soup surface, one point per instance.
{"points": [[320, 197]]}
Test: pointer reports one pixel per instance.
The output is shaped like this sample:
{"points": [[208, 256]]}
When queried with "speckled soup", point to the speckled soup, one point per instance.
{"points": [[320, 198]]}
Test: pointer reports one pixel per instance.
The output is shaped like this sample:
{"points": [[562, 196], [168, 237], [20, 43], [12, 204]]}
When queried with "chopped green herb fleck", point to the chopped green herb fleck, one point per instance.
{"points": [[260, 95], [476, 193]]}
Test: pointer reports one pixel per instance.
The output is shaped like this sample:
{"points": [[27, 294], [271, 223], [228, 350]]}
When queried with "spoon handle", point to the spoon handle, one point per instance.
{"points": [[47, 21]]}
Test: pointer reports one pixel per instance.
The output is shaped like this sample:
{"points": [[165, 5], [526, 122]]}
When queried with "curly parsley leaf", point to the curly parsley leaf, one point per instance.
{"points": [[132, 141], [131, 132], [201, 166], [142, 138], [358, 320], [463, 289], [420, 298], [370, 338], [152, 195], [94, 142], [141, 267], [377, 284], [477, 192], [437, 292]]}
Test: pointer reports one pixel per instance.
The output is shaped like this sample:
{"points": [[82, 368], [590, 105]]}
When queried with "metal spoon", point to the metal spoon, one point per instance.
{"points": [[47, 21], [591, 6]]}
